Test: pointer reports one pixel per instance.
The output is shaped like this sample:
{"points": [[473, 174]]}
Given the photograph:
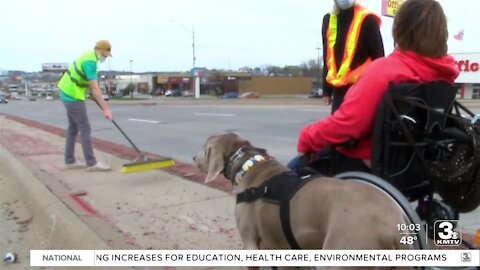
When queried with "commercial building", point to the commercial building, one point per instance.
{"points": [[469, 79]]}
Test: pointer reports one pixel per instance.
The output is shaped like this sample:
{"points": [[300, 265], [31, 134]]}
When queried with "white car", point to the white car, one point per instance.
{"points": [[49, 98], [105, 97]]}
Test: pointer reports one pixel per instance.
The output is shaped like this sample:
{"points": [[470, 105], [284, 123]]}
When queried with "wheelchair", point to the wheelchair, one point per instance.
{"points": [[425, 150]]}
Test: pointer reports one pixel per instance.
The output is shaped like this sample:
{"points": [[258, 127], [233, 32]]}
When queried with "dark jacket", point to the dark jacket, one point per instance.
{"points": [[370, 43]]}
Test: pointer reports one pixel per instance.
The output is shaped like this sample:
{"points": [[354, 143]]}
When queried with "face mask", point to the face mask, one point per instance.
{"points": [[101, 58], [345, 4]]}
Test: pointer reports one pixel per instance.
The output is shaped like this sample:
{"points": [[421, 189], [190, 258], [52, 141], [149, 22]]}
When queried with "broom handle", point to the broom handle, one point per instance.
{"points": [[128, 139], [123, 133]]}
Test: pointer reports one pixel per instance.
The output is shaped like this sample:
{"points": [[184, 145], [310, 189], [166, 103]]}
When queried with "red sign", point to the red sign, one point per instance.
{"points": [[467, 66]]}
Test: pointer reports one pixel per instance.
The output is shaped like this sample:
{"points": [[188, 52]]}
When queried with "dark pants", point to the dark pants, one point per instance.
{"points": [[78, 122], [329, 162], [337, 97]]}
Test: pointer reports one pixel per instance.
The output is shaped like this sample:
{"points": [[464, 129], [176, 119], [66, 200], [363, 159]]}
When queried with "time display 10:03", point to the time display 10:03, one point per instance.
{"points": [[409, 227]]}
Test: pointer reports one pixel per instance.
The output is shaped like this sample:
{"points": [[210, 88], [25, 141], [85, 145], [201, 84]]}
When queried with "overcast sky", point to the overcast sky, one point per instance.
{"points": [[157, 35]]}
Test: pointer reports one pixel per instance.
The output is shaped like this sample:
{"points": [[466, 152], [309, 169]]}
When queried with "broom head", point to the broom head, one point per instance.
{"points": [[147, 165]]}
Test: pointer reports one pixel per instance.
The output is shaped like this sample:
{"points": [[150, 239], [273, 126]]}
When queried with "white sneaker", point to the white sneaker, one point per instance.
{"points": [[76, 165], [99, 167]]}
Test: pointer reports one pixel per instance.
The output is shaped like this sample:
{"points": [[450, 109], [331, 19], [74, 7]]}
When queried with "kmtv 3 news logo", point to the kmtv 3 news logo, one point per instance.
{"points": [[444, 233]]}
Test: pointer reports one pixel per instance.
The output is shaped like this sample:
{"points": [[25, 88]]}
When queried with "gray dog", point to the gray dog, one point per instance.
{"points": [[324, 212]]}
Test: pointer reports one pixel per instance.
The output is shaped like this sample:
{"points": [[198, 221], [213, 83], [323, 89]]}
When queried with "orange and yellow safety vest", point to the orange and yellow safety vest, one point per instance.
{"points": [[344, 76]]}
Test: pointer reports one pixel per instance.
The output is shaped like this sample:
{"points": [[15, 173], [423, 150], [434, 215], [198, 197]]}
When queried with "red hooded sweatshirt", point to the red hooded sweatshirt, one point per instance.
{"points": [[354, 119]]}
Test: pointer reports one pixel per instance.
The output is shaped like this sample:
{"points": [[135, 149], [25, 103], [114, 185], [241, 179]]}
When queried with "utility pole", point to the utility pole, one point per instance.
{"points": [[196, 81], [319, 70], [26, 88], [131, 79], [193, 45]]}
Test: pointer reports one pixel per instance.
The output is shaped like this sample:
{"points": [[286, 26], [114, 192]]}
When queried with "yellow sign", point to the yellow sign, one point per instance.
{"points": [[162, 79], [390, 7]]}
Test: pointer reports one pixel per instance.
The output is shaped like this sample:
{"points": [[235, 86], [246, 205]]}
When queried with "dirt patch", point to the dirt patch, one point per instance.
{"points": [[26, 145]]}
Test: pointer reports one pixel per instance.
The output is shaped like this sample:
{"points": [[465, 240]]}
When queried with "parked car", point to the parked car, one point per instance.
{"points": [[105, 97], [316, 93], [49, 98], [173, 93], [231, 95], [3, 99], [187, 93], [249, 95], [157, 92], [15, 97]]}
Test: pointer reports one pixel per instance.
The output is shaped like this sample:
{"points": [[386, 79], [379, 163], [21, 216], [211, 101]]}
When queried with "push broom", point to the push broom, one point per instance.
{"points": [[142, 163]]}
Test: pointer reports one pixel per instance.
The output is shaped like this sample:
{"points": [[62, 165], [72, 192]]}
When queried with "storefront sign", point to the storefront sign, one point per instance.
{"points": [[469, 66], [390, 7]]}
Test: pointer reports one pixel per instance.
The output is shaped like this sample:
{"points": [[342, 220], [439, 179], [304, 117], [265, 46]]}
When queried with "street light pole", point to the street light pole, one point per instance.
{"points": [[319, 70], [196, 80], [131, 79], [195, 84], [193, 45]]}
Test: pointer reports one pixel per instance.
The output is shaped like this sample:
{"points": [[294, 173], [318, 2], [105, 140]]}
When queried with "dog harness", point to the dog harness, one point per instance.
{"points": [[279, 189]]}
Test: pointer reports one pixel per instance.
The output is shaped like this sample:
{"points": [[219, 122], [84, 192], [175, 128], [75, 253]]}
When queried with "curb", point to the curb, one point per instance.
{"points": [[55, 222], [181, 169]]}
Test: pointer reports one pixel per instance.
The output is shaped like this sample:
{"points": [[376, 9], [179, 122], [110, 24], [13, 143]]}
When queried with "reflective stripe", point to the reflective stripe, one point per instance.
{"points": [[75, 81], [343, 76], [79, 72], [72, 82]]}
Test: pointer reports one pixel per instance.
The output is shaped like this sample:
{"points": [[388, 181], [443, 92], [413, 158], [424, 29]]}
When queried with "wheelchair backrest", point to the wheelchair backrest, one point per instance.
{"points": [[403, 133]]}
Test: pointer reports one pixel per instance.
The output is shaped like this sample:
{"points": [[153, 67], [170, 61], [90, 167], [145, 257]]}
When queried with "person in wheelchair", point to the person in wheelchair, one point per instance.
{"points": [[342, 141], [401, 127]]}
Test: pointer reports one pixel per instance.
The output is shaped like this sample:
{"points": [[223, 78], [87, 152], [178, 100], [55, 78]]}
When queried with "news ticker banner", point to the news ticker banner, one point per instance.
{"points": [[218, 258]]}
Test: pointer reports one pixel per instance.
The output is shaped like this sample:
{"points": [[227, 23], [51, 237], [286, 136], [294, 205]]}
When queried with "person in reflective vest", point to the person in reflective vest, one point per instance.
{"points": [[420, 36], [351, 41], [80, 76]]}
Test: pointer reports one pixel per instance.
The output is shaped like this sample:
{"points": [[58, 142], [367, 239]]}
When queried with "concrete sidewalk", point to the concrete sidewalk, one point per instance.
{"points": [[147, 210], [160, 209]]}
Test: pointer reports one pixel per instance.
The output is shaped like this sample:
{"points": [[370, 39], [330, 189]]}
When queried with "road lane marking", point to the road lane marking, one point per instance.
{"points": [[313, 110], [216, 114], [144, 120]]}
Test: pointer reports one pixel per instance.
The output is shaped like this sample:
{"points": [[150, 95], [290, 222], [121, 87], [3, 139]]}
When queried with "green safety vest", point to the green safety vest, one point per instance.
{"points": [[74, 82]]}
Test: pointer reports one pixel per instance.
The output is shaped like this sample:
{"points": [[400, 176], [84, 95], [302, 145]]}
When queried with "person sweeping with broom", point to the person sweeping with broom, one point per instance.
{"points": [[80, 76]]}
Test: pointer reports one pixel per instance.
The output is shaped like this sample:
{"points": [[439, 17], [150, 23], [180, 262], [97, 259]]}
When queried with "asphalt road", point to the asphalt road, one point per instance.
{"points": [[178, 131]]}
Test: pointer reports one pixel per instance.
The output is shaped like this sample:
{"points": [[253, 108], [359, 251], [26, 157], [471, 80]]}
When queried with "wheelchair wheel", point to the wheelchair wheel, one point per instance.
{"points": [[411, 216]]}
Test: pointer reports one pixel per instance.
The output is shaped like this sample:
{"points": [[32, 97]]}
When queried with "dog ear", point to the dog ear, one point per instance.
{"points": [[216, 164]]}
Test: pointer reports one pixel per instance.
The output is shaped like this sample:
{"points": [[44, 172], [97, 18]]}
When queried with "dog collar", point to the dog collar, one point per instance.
{"points": [[234, 158], [247, 165]]}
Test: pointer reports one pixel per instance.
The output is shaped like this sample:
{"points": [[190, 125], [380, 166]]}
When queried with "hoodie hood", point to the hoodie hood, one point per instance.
{"points": [[428, 68]]}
